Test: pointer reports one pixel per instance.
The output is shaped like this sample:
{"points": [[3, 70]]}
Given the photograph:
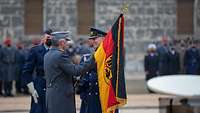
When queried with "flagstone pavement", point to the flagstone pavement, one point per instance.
{"points": [[137, 103]]}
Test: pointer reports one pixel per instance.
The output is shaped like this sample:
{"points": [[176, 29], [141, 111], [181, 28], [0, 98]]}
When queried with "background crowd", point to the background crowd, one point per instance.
{"points": [[172, 57]]}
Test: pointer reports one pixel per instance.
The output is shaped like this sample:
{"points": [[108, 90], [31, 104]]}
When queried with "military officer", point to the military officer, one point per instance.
{"points": [[37, 84], [88, 86], [59, 72]]}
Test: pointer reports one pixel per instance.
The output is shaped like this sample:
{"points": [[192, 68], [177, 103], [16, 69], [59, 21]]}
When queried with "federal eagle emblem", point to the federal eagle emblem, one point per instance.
{"points": [[107, 69]]}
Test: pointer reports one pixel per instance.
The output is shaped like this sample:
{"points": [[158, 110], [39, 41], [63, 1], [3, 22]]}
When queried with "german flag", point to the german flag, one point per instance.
{"points": [[110, 58]]}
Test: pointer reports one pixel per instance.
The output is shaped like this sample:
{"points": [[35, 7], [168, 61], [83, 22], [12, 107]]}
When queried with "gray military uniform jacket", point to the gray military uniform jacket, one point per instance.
{"points": [[9, 63], [59, 72]]}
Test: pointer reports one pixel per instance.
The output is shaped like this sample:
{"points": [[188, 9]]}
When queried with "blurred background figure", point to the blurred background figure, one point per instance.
{"points": [[181, 48], [174, 62], [1, 71], [191, 59], [20, 59], [9, 65], [151, 62], [163, 52]]}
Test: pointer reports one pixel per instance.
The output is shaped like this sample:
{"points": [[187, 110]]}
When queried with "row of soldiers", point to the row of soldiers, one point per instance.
{"points": [[170, 58], [11, 64]]}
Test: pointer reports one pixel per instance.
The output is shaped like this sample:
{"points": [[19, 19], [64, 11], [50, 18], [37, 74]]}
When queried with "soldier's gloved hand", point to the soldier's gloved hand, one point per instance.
{"points": [[33, 92]]}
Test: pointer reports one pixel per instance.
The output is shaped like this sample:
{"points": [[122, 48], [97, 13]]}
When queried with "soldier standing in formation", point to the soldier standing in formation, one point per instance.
{"points": [[1, 75], [8, 66]]}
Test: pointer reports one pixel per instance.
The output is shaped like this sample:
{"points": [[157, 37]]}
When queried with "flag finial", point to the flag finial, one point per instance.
{"points": [[125, 8]]}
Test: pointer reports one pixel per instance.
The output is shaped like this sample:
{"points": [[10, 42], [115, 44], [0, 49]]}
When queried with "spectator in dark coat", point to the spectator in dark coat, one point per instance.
{"points": [[174, 62], [151, 62], [192, 60], [163, 52]]}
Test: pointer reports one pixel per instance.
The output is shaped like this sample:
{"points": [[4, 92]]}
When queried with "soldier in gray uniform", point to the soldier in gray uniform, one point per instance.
{"points": [[9, 66], [1, 75], [59, 72]]}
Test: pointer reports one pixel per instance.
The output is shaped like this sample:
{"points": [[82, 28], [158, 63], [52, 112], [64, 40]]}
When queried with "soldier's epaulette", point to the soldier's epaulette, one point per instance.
{"points": [[62, 51], [63, 54], [35, 46]]}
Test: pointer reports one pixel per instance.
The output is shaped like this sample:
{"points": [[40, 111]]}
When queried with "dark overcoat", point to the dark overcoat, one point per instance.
{"points": [[33, 71], [192, 61], [151, 65], [163, 53], [174, 63]]}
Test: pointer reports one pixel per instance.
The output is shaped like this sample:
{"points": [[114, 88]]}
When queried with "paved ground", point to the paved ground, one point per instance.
{"points": [[145, 103]]}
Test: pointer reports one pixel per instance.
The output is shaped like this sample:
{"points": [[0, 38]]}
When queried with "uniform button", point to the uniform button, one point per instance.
{"points": [[90, 74], [96, 83], [86, 72], [96, 93], [44, 89], [90, 84], [89, 93], [50, 84]]}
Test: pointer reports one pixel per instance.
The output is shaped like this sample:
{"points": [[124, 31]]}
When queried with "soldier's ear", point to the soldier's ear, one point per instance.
{"points": [[61, 42]]}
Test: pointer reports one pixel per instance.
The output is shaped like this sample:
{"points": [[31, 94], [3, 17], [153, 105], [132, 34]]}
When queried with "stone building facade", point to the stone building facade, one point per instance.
{"points": [[146, 21]]}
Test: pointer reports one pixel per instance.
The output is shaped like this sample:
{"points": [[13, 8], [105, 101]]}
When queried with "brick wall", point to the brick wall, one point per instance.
{"points": [[145, 22], [11, 19], [60, 15]]}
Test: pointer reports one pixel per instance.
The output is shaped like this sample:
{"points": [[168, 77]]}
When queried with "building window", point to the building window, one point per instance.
{"points": [[33, 17], [185, 12], [85, 15]]}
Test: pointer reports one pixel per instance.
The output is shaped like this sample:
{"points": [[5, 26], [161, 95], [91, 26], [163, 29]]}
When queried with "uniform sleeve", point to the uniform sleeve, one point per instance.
{"points": [[186, 58], [145, 63], [75, 70], [28, 67], [83, 83]]}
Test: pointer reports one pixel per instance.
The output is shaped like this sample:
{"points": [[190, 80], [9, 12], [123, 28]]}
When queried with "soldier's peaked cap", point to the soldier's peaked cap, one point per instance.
{"points": [[48, 31], [61, 35], [94, 33]]}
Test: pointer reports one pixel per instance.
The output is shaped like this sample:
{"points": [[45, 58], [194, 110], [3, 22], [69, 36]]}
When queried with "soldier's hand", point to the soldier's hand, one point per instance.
{"points": [[35, 96], [33, 92]]}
